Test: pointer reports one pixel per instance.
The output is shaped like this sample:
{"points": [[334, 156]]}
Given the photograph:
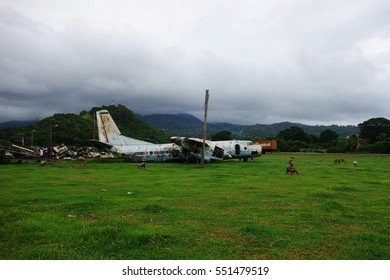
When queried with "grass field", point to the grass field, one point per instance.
{"points": [[113, 210]]}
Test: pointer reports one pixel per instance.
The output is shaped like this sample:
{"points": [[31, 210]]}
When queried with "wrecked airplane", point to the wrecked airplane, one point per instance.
{"points": [[181, 148], [111, 138]]}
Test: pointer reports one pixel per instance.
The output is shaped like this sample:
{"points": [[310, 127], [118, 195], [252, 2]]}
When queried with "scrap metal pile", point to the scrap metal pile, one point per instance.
{"points": [[57, 152]]}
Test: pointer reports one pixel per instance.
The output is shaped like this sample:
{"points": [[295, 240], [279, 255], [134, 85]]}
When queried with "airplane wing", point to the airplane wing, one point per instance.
{"points": [[197, 141], [99, 144], [195, 145], [218, 153], [187, 140]]}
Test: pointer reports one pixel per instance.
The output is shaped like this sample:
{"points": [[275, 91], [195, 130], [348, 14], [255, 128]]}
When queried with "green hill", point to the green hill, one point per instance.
{"points": [[77, 130], [188, 125]]}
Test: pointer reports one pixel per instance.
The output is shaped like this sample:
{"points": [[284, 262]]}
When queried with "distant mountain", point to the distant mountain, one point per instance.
{"points": [[16, 124], [180, 124], [188, 125], [73, 129]]}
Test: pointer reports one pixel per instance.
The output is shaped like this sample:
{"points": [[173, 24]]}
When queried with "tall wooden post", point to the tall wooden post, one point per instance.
{"points": [[206, 104]]}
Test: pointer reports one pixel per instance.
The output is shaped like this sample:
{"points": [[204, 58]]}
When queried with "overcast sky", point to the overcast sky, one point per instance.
{"points": [[308, 61]]}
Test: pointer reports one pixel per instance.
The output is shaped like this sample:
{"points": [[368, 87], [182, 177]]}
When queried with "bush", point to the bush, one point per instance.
{"points": [[380, 148], [4, 159]]}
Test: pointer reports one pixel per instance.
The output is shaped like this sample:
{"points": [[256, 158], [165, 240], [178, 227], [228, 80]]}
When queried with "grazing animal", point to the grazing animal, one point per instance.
{"points": [[291, 162], [291, 170], [355, 163], [80, 158], [81, 166], [338, 161], [142, 165]]}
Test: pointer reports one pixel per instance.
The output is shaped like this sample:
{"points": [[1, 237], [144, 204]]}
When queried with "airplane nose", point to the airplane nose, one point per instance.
{"points": [[175, 139]]}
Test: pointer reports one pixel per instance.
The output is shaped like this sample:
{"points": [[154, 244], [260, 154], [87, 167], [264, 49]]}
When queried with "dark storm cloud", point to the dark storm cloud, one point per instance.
{"points": [[308, 61]]}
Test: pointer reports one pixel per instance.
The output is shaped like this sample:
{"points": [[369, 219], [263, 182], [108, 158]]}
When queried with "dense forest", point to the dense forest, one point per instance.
{"points": [[371, 136], [374, 137], [78, 130]]}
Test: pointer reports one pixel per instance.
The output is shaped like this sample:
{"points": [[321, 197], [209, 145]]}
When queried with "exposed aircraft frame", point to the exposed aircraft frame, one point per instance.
{"points": [[219, 150]]}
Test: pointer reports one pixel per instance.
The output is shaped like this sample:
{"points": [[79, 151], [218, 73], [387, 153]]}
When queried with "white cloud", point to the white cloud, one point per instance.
{"points": [[263, 61]]}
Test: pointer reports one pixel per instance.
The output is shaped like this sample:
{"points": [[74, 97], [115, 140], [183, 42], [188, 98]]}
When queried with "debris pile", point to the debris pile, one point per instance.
{"points": [[53, 152]]}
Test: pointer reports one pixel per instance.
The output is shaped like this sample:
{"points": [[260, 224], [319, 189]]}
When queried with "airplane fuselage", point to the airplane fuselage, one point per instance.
{"points": [[219, 150], [241, 149], [152, 152]]}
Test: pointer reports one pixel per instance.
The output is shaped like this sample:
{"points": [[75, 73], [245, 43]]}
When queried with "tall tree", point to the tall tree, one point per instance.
{"points": [[328, 136], [294, 133], [222, 135], [354, 142], [375, 129]]}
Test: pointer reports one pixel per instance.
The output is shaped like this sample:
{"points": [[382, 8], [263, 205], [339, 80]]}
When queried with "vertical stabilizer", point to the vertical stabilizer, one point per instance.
{"points": [[109, 133], [107, 129]]}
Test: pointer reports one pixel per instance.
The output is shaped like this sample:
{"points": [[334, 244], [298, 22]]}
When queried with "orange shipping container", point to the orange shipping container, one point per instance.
{"points": [[267, 145]]}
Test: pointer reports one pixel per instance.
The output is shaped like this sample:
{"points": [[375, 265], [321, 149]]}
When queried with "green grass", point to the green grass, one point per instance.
{"points": [[113, 210]]}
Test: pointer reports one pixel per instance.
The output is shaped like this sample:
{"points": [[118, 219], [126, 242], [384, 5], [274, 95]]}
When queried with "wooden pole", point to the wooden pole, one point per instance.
{"points": [[206, 104]]}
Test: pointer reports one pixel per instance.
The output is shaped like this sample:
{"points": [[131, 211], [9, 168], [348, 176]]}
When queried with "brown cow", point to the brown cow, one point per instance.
{"points": [[291, 170]]}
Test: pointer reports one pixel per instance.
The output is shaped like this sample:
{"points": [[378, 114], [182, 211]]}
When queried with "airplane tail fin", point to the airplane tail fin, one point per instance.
{"points": [[109, 133]]}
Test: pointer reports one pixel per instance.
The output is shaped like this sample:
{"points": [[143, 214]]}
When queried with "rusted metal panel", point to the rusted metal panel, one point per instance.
{"points": [[268, 144]]}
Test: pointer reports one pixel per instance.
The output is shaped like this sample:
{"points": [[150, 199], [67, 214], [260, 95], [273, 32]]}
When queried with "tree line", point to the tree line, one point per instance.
{"points": [[77, 130], [374, 137]]}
